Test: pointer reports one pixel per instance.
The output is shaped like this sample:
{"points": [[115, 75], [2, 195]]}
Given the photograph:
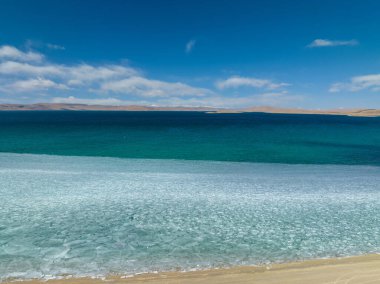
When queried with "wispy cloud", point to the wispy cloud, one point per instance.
{"points": [[190, 45], [25, 69], [237, 81], [72, 74], [330, 43], [36, 44], [38, 84], [55, 46], [358, 83], [152, 88], [264, 99], [10, 52], [101, 101], [85, 73]]}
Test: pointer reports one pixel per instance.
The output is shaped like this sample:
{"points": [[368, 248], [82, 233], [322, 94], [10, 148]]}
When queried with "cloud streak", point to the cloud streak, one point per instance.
{"points": [[331, 43], [38, 84], [237, 82], [152, 88], [101, 101], [75, 74], [369, 82], [10, 52], [190, 46], [264, 99], [55, 46]]}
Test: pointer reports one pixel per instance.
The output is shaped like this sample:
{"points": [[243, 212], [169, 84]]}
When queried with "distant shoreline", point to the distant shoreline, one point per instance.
{"points": [[84, 107], [357, 269]]}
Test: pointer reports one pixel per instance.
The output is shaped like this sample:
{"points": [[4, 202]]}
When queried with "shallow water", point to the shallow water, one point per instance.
{"points": [[96, 216]]}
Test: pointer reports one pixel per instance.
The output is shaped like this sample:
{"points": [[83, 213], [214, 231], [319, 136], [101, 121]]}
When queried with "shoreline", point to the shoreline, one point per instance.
{"points": [[355, 112], [354, 269]]}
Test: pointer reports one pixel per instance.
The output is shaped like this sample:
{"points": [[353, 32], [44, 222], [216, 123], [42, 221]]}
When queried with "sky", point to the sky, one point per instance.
{"points": [[311, 54]]}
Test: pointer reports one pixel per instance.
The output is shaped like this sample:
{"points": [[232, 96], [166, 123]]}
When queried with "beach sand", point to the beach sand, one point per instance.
{"points": [[362, 269]]}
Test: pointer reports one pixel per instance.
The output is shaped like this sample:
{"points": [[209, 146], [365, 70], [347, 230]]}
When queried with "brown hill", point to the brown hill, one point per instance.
{"points": [[78, 107]]}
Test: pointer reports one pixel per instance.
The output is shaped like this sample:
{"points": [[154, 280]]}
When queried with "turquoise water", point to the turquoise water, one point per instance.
{"points": [[169, 191], [249, 137]]}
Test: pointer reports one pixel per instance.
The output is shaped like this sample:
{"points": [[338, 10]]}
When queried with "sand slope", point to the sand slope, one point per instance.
{"points": [[364, 269]]}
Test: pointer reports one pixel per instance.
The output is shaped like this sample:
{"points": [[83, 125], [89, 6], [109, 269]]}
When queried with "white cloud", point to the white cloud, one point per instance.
{"points": [[29, 75], [10, 52], [329, 43], [76, 74], [84, 73], [237, 81], [102, 101], [152, 88], [38, 84], [190, 45], [367, 82], [16, 76], [18, 68]]}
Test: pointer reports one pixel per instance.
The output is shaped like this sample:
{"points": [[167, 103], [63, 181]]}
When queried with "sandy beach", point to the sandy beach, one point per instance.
{"points": [[361, 269]]}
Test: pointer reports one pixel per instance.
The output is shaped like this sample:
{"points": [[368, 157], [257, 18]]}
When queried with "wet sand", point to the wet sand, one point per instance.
{"points": [[352, 270]]}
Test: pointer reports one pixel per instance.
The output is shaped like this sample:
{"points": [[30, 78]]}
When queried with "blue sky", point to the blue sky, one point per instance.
{"points": [[308, 54]]}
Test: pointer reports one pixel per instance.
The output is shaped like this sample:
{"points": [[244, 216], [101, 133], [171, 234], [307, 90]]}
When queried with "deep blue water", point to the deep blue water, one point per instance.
{"points": [[249, 137]]}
